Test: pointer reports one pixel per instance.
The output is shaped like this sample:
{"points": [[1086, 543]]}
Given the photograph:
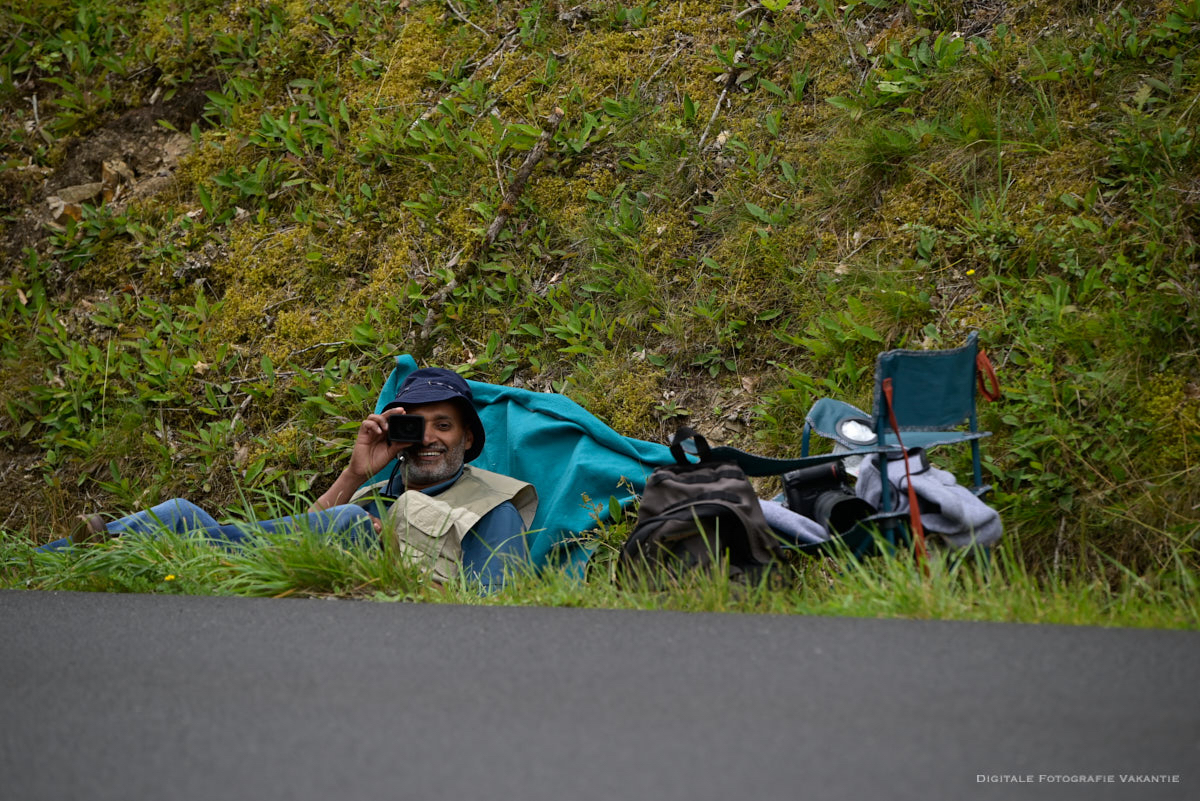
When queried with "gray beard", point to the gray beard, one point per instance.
{"points": [[427, 475]]}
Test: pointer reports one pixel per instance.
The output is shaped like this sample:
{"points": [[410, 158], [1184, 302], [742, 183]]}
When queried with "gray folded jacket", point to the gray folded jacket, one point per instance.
{"points": [[795, 526], [947, 508]]}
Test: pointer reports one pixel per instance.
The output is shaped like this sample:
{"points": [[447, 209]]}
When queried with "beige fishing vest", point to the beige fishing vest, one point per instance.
{"points": [[429, 529]]}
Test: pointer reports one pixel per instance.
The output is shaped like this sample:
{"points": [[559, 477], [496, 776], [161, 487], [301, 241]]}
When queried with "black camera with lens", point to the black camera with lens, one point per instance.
{"points": [[406, 428], [821, 493]]}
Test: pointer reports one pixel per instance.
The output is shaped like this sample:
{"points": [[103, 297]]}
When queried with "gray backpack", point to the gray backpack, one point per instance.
{"points": [[697, 516]]}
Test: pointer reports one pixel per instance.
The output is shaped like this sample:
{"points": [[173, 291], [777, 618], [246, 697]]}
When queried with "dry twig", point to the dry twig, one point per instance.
{"points": [[507, 206]]}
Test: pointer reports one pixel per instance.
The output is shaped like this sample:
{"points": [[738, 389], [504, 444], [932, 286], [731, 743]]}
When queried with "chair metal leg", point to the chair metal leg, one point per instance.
{"points": [[976, 463]]}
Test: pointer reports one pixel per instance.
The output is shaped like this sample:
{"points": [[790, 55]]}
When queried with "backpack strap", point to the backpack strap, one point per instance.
{"points": [[751, 464], [684, 434]]}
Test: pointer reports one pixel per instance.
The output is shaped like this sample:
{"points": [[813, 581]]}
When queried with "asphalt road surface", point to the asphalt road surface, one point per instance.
{"points": [[138, 697]]}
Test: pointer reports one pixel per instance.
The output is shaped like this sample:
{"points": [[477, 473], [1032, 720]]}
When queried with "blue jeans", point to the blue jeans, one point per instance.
{"points": [[349, 523]]}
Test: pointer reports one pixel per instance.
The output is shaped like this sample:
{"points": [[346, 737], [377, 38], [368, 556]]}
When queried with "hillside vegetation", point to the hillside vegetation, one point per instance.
{"points": [[221, 220]]}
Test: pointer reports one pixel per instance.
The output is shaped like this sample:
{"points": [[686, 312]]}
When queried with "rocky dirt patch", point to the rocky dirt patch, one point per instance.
{"points": [[133, 156]]}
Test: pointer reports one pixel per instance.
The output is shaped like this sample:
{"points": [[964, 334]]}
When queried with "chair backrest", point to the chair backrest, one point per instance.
{"points": [[932, 389]]}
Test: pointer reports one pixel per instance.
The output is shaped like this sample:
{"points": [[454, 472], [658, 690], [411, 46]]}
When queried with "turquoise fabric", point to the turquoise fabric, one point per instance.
{"points": [[575, 461]]}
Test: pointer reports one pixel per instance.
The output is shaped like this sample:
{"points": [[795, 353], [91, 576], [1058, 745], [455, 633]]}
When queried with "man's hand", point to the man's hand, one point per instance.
{"points": [[371, 453]]}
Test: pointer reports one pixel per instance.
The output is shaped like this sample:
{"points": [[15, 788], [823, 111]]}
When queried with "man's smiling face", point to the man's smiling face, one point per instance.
{"points": [[442, 452]]}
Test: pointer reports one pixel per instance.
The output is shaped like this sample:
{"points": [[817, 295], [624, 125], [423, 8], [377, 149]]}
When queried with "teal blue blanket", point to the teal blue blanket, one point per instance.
{"points": [[575, 461]]}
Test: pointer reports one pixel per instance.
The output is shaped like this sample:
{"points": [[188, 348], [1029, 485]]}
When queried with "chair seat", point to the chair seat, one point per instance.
{"points": [[825, 415], [929, 439]]}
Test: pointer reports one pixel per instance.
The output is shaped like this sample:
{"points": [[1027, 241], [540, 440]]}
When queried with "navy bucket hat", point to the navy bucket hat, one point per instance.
{"points": [[436, 384]]}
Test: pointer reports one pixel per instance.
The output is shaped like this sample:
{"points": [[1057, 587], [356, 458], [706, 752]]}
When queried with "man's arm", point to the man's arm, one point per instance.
{"points": [[498, 541], [371, 453], [340, 491]]}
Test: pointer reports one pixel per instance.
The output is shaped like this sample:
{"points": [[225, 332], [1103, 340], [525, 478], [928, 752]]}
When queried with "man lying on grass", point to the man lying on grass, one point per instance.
{"points": [[433, 507]]}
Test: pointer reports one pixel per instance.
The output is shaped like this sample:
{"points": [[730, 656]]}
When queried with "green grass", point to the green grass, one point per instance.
{"points": [[1000, 588], [742, 205]]}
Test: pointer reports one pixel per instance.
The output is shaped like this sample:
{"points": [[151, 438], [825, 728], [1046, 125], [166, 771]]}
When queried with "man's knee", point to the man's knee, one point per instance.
{"points": [[178, 515], [348, 514], [177, 507], [352, 521]]}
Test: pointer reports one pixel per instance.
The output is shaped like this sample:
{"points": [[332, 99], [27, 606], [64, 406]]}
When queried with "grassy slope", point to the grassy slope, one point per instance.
{"points": [[739, 209]]}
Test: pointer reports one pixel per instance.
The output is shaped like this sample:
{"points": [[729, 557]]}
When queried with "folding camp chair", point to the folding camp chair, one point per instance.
{"points": [[922, 399]]}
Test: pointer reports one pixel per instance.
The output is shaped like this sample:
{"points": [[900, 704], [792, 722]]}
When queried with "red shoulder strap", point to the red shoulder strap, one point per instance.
{"points": [[984, 369], [914, 515]]}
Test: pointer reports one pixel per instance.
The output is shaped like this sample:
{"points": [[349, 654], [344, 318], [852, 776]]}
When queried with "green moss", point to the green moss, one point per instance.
{"points": [[285, 447], [416, 50], [1171, 404], [622, 390], [564, 200]]}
